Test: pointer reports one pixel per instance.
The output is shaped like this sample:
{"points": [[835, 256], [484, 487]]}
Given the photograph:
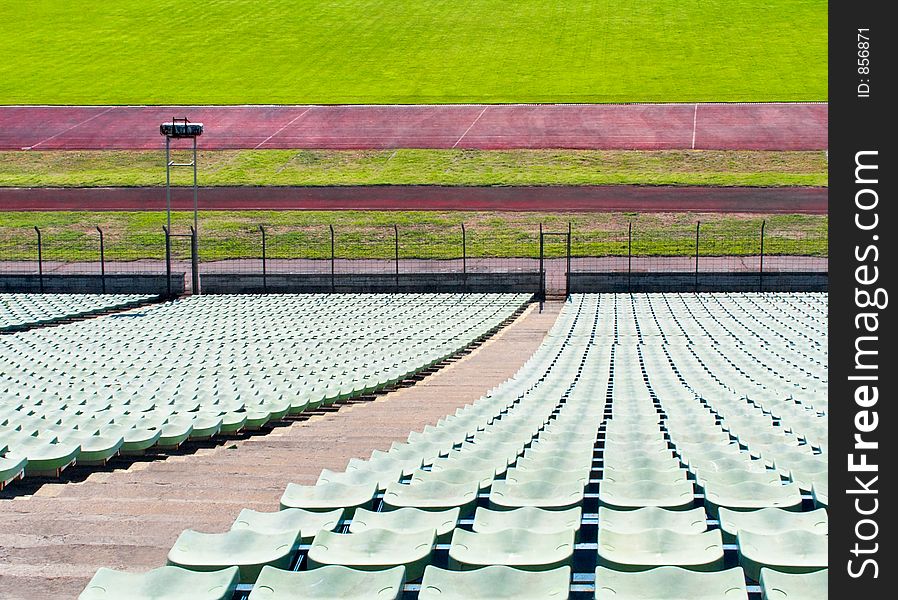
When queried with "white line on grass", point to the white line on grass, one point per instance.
{"points": [[292, 121], [469, 128]]}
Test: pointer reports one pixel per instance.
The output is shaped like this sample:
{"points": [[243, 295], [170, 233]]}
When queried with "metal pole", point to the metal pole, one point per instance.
{"points": [[567, 283], [167, 260], [102, 262], [396, 241], [264, 261], [761, 270], [194, 263], [698, 224], [196, 223], [333, 277], [168, 182], [40, 260], [629, 255], [542, 279], [464, 250]]}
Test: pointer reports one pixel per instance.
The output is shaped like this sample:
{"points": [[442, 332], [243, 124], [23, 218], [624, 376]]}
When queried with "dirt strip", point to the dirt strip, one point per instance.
{"points": [[52, 542], [736, 126], [595, 198]]}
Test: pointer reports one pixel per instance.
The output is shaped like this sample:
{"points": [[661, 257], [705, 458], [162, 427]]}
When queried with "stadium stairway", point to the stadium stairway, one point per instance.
{"points": [[54, 541]]}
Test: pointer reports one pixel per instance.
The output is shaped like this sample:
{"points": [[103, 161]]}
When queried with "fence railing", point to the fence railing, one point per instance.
{"points": [[385, 253]]}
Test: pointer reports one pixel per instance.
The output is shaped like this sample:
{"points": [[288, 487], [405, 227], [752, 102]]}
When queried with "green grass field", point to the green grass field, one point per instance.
{"points": [[411, 51], [422, 167], [71, 236]]}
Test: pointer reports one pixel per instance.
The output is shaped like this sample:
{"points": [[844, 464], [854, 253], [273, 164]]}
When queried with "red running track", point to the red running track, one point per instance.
{"points": [[798, 126], [526, 198]]}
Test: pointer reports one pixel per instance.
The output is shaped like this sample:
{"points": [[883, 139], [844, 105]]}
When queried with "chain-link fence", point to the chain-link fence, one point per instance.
{"points": [[634, 254]]}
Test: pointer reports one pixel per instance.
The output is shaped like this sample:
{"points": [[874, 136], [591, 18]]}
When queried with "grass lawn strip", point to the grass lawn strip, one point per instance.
{"points": [[71, 236], [421, 167]]}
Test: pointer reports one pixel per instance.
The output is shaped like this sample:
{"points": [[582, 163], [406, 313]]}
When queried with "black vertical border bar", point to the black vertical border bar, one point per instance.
{"points": [[858, 124]]}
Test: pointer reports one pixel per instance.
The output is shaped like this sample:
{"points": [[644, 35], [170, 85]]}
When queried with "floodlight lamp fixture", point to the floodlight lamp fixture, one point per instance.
{"points": [[181, 128]]}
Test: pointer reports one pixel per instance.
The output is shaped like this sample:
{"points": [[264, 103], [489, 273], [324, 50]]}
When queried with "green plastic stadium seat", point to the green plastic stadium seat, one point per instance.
{"points": [[432, 495], [547, 475], [95, 449], [738, 476], [790, 552], [751, 496], [519, 548], [792, 586], [660, 547], [667, 476], [769, 521], [175, 431], [675, 496], [627, 462], [483, 478], [540, 494], [374, 550], [11, 468], [169, 583], [642, 519], [364, 476], [495, 583], [670, 583], [328, 496], [562, 462], [328, 583], [407, 520], [305, 524], [528, 518], [46, 456], [248, 550]]}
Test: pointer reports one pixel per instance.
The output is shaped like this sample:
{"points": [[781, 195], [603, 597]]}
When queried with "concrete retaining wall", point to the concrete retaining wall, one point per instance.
{"points": [[92, 284], [705, 282], [239, 283]]}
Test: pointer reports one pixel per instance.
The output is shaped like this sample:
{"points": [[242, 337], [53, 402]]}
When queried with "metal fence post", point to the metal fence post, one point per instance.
{"points": [[542, 275], [396, 242], [40, 260], [102, 262], [698, 225], [264, 261], [194, 262], [567, 282], [333, 277], [464, 258], [629, 255], [167, 260], [761, 269]]}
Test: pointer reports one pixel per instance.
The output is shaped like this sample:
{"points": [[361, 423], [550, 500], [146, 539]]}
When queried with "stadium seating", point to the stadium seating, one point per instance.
{"points": [[654, 446], [23, 311], [174, 582], [329, 582], [193, 369]]}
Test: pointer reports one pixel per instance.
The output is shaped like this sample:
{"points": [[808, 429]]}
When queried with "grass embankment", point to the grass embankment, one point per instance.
{"points": [[411, 51], [423, 167], [71, 236]]}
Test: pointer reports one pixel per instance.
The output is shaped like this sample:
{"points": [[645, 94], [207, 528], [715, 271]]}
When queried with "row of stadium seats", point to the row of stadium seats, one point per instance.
{"points": [[605, 467], [211, 365], [23, 311]]}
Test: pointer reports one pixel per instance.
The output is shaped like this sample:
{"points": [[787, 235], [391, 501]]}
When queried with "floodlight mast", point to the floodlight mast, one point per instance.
{"points": [[179, 128]]}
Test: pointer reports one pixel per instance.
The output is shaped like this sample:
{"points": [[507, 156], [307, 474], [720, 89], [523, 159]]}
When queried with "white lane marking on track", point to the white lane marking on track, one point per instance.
{"points": [[292, 121], [694, 121], [44, 141], [474, 122]]}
